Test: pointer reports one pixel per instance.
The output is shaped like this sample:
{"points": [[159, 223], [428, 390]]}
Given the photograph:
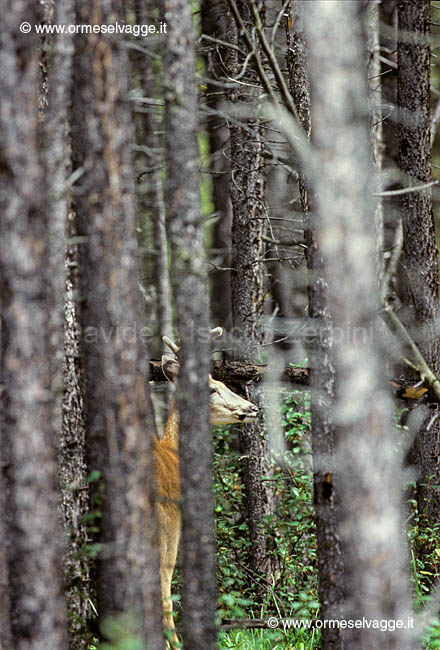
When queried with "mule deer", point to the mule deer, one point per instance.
{"points": [[226, 408]]}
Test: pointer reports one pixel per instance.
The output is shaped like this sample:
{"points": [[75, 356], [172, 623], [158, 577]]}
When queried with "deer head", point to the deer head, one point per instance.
{"points": [[226, 406]]}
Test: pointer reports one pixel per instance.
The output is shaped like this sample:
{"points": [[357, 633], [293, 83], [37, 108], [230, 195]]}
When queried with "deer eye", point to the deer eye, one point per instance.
{"points": [[212, 390]]}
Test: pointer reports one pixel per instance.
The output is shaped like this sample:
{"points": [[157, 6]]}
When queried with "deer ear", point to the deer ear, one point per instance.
{"points": [[170, 367]]}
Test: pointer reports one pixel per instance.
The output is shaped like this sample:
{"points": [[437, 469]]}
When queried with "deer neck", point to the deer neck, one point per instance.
{"points": [[171, 435]]}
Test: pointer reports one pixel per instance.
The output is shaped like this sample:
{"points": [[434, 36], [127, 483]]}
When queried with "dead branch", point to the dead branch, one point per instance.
{"points": [[270, 54], [250, 623], [250, 45], [418, 363], [243, 623], [233, 372]]}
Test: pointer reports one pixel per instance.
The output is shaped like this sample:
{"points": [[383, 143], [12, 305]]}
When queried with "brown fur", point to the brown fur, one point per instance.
{"points": [[226, 407], [167, 509]]}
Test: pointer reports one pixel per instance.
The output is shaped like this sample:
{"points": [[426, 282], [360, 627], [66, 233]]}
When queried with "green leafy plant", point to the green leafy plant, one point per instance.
{"points": [[290, 533], [424, 541]]}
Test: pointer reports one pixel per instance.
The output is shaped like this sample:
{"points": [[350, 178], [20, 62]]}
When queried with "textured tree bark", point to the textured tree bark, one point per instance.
{"points": [[119, 429], [73, 469], [27, 436], [370, 521], [247, 289], [419, 261], [66, 376], [419, 249], [189, 282], [321, 368]]}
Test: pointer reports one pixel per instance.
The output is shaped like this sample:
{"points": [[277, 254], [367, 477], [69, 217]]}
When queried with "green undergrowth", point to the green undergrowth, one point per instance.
{"points": [[269, 640], [290, 537], [292, 548]]}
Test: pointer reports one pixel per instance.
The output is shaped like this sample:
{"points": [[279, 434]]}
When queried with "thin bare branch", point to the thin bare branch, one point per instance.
{"points": [[418, 362], [406, 190], [268, 50], [250, 44]]}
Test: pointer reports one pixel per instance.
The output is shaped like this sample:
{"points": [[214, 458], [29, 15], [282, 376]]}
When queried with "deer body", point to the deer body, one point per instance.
{"points": [[167, 509], [226, 408]]}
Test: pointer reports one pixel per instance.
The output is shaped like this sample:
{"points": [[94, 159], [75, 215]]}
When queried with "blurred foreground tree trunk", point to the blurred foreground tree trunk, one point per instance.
{"points": [[28, 437], [320, 362], [190, 292], [5, 601], [247, 281], [419, 260], [119, 431], [370, 515]]}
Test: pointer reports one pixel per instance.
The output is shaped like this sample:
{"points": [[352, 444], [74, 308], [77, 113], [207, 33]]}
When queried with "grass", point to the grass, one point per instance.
{"points": [[269, 640]]}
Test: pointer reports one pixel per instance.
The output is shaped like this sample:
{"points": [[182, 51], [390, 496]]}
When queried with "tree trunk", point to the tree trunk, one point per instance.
{"points": [[390, 146], [68, 415], [419, 261], [5, 600], [214, 24], [371, 26], [28, 437], [189, 281], [321, 373], [73, 464], [119, 429], [152, 200], [388, 42], [247, 292], [370, 518]]}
